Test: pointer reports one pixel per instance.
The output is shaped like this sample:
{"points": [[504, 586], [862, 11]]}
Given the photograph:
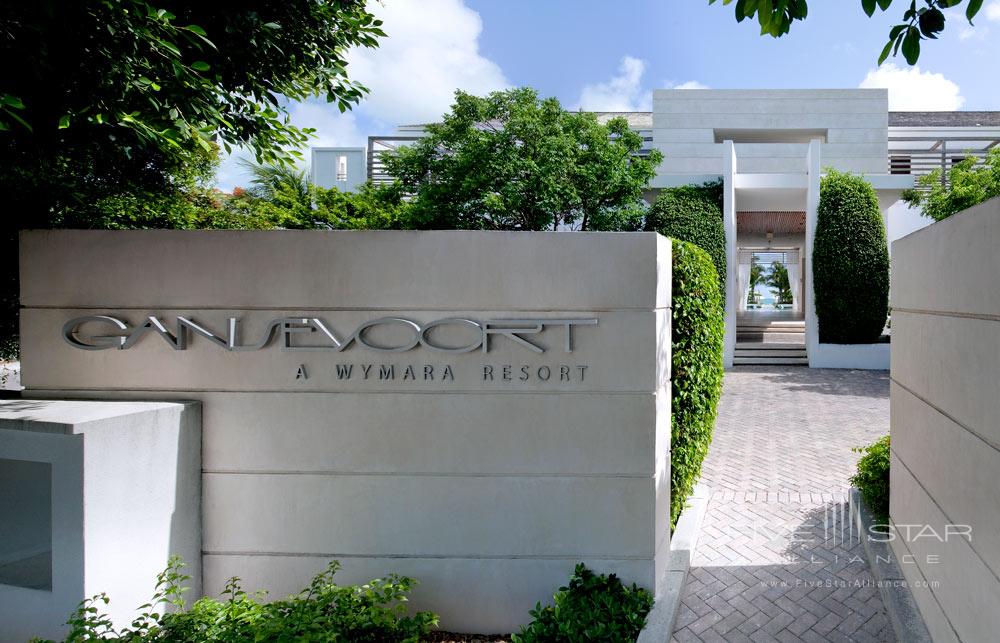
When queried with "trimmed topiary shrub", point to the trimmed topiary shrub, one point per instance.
{"points": [[693, 213], [591, 608], [850, 262], [698, 327], [872, 478]]}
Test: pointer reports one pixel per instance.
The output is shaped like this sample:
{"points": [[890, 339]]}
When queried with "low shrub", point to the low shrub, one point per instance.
{"points": [[872, 478], [593, 607], [698, 329], [850, 262], [324, 611], [693, 213]]}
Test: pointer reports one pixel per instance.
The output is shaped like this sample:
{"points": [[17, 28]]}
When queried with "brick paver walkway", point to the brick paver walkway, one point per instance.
{"points": [[776, 559]]}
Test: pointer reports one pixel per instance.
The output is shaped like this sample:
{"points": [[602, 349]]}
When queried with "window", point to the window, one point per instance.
{"points": [[26, 524], [342, 168]]}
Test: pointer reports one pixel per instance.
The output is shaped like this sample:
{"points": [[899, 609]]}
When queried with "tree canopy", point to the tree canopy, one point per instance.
{"points": [[112, 111], [968, 183], [102, 97], [925, 22], [512, 161]]}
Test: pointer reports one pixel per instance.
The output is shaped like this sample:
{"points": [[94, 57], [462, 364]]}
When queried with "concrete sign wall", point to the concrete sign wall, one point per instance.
{"points": [[477, 410], [945, 435]]}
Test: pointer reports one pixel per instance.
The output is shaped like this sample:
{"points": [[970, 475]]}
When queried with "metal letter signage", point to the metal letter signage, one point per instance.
{"points": [[121, 335]]}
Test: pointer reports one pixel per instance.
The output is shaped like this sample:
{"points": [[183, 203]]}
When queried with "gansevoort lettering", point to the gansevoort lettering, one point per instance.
{"points": [[126, 336]]}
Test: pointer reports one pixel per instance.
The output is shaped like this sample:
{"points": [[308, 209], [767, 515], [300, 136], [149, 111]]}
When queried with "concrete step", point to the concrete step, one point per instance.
{"points": [[770, 361], [758, 352], [771, 338], [771, 346], [770, 329]]}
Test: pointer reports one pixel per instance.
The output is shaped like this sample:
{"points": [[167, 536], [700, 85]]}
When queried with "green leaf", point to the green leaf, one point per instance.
{"points": [[200, 65], [884, 4], [973, 9], [11, 101], [911, 45], [196, 29], [869, 7], [931, 23], [64, 121], [885, 52]]}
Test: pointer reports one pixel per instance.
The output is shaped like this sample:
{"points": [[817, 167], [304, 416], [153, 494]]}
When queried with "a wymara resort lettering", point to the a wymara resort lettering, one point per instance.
{"points": [[467, 334]]}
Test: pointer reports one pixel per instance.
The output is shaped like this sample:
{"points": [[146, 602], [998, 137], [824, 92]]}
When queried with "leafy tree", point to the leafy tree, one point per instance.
{"points": [[282, 197], [110, 109], [777, 279], [512, 161], [919, 23], [968, 184]]}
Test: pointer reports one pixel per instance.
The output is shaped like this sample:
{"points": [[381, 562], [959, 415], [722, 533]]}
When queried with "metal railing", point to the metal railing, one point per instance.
{"points": [[921, 155]]}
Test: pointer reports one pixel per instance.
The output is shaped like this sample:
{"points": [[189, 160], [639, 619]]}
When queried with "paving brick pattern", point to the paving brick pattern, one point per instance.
{"points": [[777, 559]]}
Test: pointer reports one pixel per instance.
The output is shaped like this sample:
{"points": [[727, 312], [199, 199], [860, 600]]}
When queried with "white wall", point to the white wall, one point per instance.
{"points": [[124, 495], [855, 122], [488, 491], [945, 401], [325, 163], [901, 220]]}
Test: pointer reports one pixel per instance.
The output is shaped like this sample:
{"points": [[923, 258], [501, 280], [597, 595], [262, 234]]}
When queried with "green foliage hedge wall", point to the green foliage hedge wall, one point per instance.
{"points": [[693, 213], [850, 262], [698, 327]]}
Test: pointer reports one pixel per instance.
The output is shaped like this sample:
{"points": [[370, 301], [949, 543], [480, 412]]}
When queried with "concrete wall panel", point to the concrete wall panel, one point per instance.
{"points": [[951, 266], [339, 270], [944, 404], [488, 491], [967, 591]]}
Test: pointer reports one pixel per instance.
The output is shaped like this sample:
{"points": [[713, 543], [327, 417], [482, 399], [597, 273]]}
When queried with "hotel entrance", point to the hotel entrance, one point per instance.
{"points": [[770, 318]]}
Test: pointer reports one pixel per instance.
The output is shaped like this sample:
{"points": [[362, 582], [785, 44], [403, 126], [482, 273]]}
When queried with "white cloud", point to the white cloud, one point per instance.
{"points": [[431, 49], [623, 93], [973, 33], [332, 127], [916, 90], [691, 84], [992, 11]]}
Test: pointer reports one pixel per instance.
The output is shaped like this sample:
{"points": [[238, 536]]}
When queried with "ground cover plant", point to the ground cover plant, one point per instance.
{"points": [[324, 612], [592, 607], [850, 261], [872, 478], [698, 328]]}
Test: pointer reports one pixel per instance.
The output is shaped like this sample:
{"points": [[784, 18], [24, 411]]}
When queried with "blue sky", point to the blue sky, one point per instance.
{"points": [[600, 55]]}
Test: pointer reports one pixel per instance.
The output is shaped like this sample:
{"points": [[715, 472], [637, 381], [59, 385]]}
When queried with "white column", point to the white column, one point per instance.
{"points": [[744, 286], [732, 259], [812, 204], [793, 283]]}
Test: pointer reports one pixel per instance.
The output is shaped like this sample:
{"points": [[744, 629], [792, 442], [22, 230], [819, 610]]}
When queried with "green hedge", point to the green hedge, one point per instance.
{"points": [[693, 213], [592, 608], [850, 262], [698, 327], [872, 478]]}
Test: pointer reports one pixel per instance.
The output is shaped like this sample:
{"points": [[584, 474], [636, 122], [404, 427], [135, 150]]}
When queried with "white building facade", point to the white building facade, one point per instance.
{"points": [[770, 148]]}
